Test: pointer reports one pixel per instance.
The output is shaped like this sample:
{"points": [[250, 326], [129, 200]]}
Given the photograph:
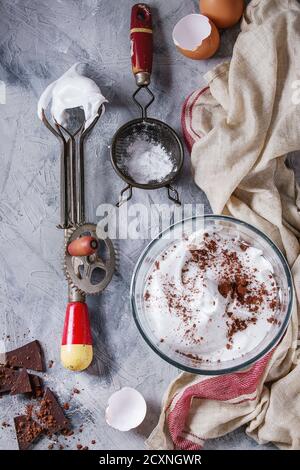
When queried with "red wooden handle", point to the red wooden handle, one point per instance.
{"points": [[77, 328], [141, 39], [76, 345]]}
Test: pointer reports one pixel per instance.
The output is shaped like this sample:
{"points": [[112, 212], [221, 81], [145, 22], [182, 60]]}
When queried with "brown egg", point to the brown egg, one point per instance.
{"points": [[224, 13], [196, 37]]}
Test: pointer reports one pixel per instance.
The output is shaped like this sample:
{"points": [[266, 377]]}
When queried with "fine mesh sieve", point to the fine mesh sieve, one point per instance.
{"points": [[147, 129]]}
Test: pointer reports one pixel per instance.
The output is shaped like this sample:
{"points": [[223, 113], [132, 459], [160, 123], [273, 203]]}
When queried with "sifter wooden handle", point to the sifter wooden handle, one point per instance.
{"points": [[141, 37]]}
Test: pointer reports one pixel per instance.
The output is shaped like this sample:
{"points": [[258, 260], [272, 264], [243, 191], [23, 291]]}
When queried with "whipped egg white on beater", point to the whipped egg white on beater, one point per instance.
{"points": [[72, 90]]}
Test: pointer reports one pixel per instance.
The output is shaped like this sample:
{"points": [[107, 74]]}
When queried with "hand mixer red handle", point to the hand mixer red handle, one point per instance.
{"points": [[77, 345], [141, 43]]}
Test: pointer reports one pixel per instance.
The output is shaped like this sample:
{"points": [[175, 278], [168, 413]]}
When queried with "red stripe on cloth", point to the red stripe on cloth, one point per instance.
{"points": [[244, 400], [187, 137], [221, 388], [201, 92], [186, 444], [186, 116]]}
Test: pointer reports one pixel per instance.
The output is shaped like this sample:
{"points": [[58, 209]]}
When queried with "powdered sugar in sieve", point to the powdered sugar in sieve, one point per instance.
{"points": [[146, 161]]}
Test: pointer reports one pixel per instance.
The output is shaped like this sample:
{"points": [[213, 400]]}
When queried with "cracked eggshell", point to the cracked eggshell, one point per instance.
{"points": [[196, 37], [126, 409]]}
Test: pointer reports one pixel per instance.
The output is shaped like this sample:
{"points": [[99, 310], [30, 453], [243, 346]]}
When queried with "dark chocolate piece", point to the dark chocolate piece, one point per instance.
{"points": [[8, 378], [22, 384], [36, 385], [27, 431], [51, 414], [29, 356]]}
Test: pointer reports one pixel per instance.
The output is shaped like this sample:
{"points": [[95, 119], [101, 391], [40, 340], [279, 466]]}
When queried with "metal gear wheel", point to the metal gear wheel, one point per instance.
{"points": [[83, 272]]}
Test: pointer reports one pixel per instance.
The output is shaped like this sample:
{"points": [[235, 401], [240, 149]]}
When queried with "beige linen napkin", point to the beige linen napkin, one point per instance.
{"points": [[241, 129]]}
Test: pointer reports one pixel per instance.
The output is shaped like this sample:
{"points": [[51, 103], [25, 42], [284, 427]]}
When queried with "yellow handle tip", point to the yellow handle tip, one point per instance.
{"points": [[76, 357]]}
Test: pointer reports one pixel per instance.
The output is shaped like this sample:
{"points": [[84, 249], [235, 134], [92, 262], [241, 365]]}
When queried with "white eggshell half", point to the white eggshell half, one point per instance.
{"points": [[190, 31], [126, 409]]}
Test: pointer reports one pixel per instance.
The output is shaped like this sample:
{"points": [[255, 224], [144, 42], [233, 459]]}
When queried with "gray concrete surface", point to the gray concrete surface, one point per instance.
{"points": [[39, 40]]}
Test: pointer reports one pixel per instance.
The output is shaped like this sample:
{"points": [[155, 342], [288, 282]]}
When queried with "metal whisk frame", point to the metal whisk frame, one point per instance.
{"points": [[72, 187]]}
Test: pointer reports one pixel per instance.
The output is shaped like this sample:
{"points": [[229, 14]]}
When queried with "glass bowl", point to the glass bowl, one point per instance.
{"points": [[250, 235]]}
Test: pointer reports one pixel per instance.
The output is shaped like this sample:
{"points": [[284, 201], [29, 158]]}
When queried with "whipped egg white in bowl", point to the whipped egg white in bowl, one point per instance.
{"points": [[211, 294]]}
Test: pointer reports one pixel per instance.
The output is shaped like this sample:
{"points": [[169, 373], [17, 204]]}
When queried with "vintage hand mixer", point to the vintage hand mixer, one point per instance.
{"points": [[84, 251]]}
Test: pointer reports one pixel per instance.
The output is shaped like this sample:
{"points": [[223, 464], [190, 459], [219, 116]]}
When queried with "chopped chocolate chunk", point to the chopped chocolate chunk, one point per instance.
{"points": [[51, 414], [244, 246], [76, 391], [194, 357], [29, 356], [79, 446], [29, 410], [37, 385], [237, 324], [22, 384], [274, 304], [8, 377], [224, 288], [50, 364], [93, 442], [272, 320], [212, 246], [27, 431], [147, 295], [67, 432]]}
